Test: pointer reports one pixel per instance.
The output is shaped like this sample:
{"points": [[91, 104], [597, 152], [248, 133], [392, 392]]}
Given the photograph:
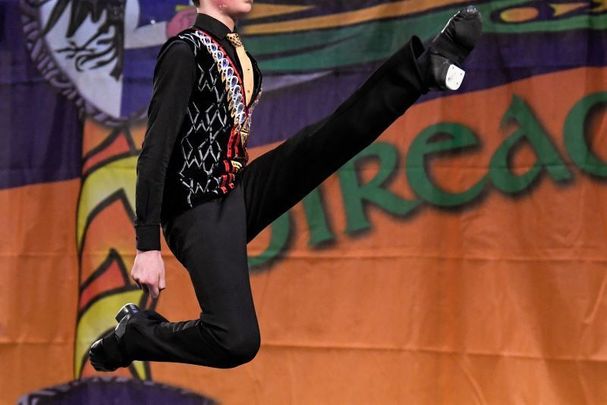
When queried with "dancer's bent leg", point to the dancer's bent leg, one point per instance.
{"points": [[210, 241]]}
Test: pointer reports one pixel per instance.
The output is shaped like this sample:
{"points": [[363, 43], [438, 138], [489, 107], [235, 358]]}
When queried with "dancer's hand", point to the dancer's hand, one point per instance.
{"points": [[148, 272]]}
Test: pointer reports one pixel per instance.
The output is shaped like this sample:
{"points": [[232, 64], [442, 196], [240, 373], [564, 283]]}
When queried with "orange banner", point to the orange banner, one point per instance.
{"points": [[459, 259]]}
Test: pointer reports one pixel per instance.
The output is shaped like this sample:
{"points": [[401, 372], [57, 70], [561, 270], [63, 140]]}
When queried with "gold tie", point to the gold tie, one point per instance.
{"points": [[245, 62]]}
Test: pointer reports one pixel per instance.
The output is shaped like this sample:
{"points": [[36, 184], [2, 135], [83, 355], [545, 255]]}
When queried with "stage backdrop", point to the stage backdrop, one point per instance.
{"points": [[462, 258]]}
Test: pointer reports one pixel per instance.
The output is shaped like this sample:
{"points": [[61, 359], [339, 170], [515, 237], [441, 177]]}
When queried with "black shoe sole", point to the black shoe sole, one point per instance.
{"points": [[97, 353]]}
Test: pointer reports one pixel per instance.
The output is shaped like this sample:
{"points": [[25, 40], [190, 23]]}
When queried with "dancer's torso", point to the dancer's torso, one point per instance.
{"points": [[210, 149]]}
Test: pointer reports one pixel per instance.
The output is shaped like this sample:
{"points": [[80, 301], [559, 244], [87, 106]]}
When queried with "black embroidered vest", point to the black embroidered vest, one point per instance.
{"points": [[210, 149]]}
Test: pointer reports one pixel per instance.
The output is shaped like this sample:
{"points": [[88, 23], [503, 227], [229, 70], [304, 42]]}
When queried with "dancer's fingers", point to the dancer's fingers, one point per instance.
{"points": [[154, 289], [162, 284]]}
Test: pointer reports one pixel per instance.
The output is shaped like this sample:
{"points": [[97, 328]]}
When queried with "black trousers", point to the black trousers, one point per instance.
{"points": [[210, 239]]}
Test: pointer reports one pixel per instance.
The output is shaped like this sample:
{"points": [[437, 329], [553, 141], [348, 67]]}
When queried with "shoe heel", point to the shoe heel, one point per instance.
{"points": [[127, 309], [444, 74], [454, 77]]}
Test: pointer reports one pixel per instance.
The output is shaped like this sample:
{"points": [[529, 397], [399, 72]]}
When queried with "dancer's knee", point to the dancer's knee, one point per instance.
{"points": [[242, 346]]}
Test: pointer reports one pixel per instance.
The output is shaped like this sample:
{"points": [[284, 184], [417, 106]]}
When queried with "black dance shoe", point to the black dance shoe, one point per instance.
{"points": [[105, 353], [448, 50]]}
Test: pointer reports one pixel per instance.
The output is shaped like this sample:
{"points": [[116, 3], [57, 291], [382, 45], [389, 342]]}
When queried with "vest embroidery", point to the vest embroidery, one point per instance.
{"points": [[231, 79], [211, 148]]}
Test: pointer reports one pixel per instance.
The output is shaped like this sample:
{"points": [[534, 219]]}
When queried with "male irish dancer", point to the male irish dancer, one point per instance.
{"points": [[194, 180]]}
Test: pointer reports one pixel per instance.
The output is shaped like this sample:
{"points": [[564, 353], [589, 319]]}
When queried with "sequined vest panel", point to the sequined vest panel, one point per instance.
{"points": [[210, 149]]}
